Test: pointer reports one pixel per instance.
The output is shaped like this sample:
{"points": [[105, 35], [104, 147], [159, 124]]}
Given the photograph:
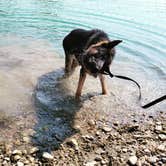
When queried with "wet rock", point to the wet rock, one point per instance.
{"points": [[104, 162], [91, 163], [152, 159], [158, 123], [5, 163], [133, 128], [24, 152], [33, 150], [20, 163], [132, 160], [91, 122], [7, 158], [16, 157], [15, 152], [147, 151], [98, 158], [100, 151], [89, 137], [72, 142], [163, 159], [158, 128], [106, 128], [77, 127], [31, 159], [116, 123], [162, 147], [98, 133], [7, 149], [47, 156], [162, 137], [26, 139], [124, 150]]}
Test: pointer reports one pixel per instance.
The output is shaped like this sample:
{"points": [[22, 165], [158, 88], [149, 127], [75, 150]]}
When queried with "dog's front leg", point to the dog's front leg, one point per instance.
{"points": [[80, 83], [103, 84]]}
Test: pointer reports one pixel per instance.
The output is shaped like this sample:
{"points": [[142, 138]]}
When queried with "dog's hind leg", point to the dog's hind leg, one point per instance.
{"points": [[74, 64], [80, 83], [68, 63], [103, 84]]}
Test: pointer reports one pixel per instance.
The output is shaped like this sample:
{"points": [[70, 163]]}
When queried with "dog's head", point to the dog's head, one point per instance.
{"points": [[99, 55]]}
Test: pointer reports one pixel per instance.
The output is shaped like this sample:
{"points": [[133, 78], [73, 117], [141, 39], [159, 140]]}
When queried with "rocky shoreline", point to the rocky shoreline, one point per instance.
{"points": [[93, 143]]}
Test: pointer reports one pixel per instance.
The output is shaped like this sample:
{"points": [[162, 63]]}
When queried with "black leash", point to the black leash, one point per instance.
{"points": [[107, 72]]}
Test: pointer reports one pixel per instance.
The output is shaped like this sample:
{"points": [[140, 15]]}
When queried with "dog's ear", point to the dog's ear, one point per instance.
{"points": [[112, 44]]}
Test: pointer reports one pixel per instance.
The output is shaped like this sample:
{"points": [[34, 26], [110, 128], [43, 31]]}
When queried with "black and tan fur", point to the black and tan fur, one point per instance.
{"points": [[93, 50]]}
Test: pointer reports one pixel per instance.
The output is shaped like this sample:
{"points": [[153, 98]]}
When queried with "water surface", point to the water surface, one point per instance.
{"points": [[31, 34]]}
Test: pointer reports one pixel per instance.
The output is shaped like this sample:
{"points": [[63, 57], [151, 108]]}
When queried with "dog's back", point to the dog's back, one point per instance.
{"points": [[79, 39]]}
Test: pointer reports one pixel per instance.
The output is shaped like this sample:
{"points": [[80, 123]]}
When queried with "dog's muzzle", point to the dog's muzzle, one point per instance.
{"points": [[95, 65]]}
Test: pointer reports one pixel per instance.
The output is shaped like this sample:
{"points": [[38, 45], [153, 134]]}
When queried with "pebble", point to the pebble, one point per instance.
{"points": [[73, 143], [153, 159], [97, 133], [162, 137], [158, 128], [91, 122], [26, 139], [33, 150], [104, 162], [90, 137], [91, 163], [47, 156], [161, 147], [106, 129], [7, 158], [147, 151], [158, 123], [19, 152], [20, 163], [124, 150], [16, 157], [31, 159], [132, 160], [98, 158], [77, 127], [163, 159]]}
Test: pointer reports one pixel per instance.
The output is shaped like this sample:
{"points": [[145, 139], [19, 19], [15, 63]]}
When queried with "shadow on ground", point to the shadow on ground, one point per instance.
{"points": [[55, 111]]}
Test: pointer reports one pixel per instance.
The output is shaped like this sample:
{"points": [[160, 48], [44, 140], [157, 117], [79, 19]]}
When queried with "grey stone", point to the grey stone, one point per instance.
{"points": [[20, 163], [132, 160], [47, 156], [162, 137]]}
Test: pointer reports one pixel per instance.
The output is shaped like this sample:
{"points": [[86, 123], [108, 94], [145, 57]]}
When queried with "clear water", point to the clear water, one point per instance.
{"points": [[33, 29], [141, 24]]}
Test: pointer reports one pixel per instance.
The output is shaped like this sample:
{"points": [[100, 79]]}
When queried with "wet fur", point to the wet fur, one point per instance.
{"points": [[81, 48]]}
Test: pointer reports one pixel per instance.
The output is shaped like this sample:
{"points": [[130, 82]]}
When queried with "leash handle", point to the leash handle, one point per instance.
{"points": [[107, 72]]}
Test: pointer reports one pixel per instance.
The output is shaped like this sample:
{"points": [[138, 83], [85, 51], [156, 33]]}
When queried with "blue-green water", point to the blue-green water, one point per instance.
{"points": [[140, 23]]}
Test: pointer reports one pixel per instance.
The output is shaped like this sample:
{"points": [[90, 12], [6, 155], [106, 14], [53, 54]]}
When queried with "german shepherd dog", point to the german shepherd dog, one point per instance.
{"points": [[93, 50]]}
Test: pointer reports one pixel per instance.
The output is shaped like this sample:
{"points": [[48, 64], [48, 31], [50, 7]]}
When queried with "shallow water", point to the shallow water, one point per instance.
{"points": [[31, 33]]}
